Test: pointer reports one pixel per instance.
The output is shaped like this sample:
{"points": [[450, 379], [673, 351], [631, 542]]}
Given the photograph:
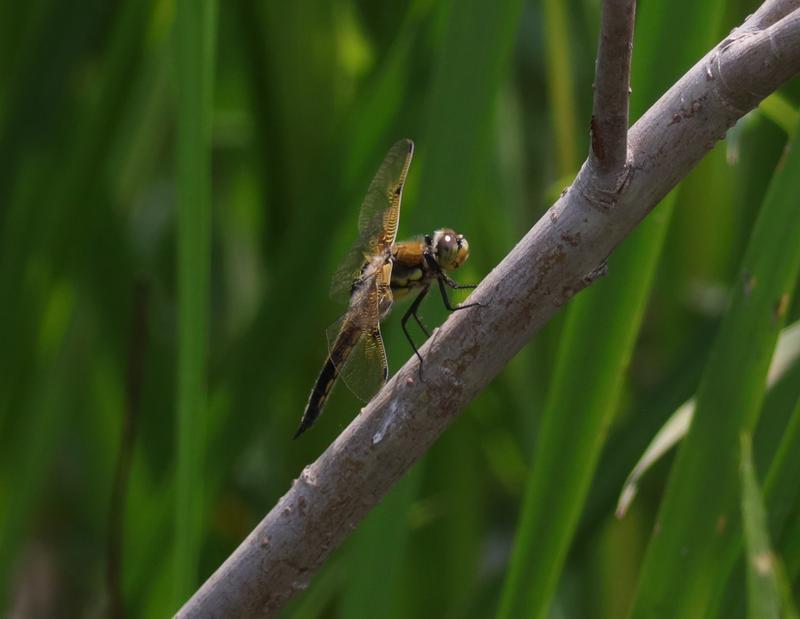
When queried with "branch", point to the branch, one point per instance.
{"points": [[612, 87], [767, 14], [563, 253]]}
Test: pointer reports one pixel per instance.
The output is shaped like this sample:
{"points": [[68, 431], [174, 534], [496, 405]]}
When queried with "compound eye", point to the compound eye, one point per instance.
{"points": [[447, 244]]}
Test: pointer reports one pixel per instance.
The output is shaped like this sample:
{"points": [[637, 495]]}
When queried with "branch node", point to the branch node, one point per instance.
{"points": [[602, 189], [740, 96]]}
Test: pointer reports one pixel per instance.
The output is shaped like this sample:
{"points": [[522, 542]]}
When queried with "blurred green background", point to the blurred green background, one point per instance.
{"points": [[179, 180]]}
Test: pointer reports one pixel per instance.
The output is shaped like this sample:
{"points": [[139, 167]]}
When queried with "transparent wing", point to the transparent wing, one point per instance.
{"points": [[355, 344], [348, 272], [377, 220], [364, 369], [380, 210]]}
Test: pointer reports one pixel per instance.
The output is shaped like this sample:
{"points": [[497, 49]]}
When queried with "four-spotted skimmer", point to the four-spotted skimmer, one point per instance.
{"points": [[374, 272]]}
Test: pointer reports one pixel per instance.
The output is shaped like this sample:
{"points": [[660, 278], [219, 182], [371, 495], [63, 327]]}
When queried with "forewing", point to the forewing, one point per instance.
{"points": [[380, 211], [378, 218]]}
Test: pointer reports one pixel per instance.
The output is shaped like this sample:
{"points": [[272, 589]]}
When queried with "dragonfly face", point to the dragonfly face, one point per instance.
{"points": [[374, 273], [450, 249]]}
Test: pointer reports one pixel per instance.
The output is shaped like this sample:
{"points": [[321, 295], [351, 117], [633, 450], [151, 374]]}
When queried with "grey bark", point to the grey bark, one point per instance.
{"points": [[564, 252], [609, 125]]}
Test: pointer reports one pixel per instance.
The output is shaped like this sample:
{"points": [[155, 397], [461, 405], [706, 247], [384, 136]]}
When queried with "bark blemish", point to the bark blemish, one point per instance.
{"points": [[598, 148], [572, 239]]}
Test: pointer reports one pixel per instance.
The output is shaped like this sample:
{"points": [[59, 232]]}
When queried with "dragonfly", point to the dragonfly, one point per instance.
{"points": [[376, 272]]}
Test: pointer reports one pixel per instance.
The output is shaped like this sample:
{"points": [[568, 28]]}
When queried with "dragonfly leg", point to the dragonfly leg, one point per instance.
{"points": [[444, 279], [446, 300], [454, 284], [412, 311]]}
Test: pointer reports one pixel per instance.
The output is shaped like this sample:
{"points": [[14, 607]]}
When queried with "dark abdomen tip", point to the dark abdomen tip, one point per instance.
{"points": [[319, 394]]}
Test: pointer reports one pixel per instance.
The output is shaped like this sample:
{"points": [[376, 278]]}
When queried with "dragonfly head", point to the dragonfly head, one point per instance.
{"points": [[450, 248]]}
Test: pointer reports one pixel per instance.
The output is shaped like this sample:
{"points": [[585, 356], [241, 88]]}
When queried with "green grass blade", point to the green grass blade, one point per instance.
{"points": [[769, 592], [780, 487], [783, 494], [777, 447], [682, 567], [674, 430], [596, 347], [194, 31], [669, 435], [780, 111], [560, 85], [46, 220], [376, 553], [763, 600], [25, 464], [790, 547]]}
